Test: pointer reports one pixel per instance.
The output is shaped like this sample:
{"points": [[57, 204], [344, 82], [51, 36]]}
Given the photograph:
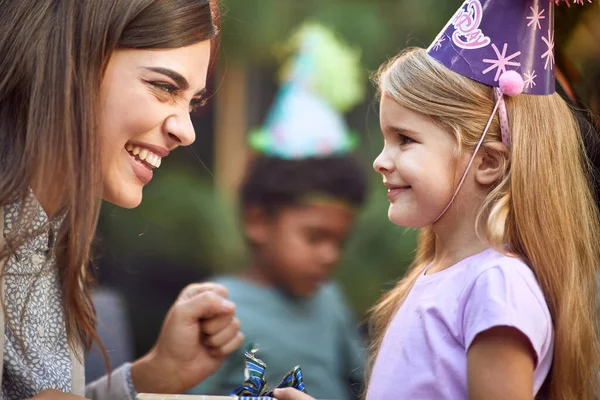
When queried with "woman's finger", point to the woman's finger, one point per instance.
{"points": [[195, 288], [223, 336], [229, 347], [212, 326]]}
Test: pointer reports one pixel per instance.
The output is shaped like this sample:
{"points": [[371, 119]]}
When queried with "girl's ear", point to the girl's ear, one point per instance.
{"points": [[493, 161]]}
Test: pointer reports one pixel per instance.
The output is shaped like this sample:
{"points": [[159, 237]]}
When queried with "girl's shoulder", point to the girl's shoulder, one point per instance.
{"points": [[501, 290], [499, 269], [493, 261], [487, 267], [497, 276]]}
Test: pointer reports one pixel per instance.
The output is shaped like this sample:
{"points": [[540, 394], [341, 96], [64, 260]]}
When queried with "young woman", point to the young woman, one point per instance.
{"points": [[93, 94]]}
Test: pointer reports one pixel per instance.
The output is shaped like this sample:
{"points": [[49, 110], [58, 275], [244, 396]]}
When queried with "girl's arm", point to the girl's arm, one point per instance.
{"points": [[500, 365]]}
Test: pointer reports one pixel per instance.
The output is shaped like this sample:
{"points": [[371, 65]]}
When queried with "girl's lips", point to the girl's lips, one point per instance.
{"points": [[394, 192]]}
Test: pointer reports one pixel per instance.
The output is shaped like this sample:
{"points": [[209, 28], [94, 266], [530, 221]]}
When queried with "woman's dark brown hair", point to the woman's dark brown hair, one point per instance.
{"points": [[54, 54]]}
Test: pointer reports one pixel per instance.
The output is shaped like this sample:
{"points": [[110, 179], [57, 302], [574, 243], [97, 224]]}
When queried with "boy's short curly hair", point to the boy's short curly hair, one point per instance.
{"points": [[273, 183]]}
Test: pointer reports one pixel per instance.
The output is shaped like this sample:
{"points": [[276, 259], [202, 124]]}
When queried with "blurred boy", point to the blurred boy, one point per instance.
{"points": [[297, 215], [299, 200]]}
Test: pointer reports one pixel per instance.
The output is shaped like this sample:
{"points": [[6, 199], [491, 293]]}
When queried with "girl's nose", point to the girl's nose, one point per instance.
{"points": [[383, 163]]}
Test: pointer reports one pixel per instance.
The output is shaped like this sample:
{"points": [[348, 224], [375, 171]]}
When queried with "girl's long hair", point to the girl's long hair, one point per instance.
{"points": [[54, 54], [542, 208]]}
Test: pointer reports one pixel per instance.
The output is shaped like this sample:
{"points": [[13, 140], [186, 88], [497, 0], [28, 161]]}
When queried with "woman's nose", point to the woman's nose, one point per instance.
{"points": [[180, 129]]}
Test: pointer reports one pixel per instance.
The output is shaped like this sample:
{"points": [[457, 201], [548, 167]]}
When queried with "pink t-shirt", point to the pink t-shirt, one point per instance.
{"points": [[424, 352]]}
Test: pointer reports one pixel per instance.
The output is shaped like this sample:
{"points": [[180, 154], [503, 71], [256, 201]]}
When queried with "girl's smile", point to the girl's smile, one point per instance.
{"points": [[394, 191]]}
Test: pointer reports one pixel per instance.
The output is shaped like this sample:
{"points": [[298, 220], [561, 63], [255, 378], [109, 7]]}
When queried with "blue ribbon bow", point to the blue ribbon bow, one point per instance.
{"points": [[255, 386]]}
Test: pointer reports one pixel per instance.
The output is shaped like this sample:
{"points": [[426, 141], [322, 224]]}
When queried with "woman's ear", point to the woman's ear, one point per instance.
{"points": [[494, 158]]}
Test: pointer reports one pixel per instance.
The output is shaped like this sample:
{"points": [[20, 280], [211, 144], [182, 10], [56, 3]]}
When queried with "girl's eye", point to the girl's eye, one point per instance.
{"points": [[404, 140], [196, 104]]}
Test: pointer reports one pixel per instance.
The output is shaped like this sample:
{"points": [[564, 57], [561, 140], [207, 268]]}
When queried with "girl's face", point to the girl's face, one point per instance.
{"points": [[146, 98], [418, 165]]}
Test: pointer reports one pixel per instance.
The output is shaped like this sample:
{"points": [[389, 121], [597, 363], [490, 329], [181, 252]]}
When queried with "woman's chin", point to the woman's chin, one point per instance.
{"points": [[125, 197]]}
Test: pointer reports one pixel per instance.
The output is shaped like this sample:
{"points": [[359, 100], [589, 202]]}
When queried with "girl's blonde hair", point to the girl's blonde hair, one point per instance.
{"points": [[543, 208]]}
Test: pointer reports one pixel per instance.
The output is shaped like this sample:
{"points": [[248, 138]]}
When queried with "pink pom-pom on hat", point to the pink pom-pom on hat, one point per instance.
{"points": [[511, 83]]}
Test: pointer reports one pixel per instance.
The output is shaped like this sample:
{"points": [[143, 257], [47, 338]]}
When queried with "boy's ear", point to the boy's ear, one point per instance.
{"points": [[256, 225], [493, 162]]}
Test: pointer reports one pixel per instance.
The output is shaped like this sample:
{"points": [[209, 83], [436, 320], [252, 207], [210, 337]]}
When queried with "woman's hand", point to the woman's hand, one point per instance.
{"points": [[55, 395], [199, 331], [291, 394]]}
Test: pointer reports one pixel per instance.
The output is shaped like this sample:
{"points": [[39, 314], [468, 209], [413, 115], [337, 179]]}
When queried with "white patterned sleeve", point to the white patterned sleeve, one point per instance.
{"points": [[120, 388]]}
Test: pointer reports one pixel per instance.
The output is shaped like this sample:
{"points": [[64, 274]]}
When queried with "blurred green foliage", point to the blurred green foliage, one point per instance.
{"points": [[182, 218], [251, 29]]}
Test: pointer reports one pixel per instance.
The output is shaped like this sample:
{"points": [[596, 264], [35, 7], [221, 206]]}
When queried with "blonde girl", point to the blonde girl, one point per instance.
{"points": [[500, 300]]}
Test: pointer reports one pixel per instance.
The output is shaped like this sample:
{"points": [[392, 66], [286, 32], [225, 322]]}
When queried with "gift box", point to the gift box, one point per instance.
{"points": [[147, 396], [254, 388]]}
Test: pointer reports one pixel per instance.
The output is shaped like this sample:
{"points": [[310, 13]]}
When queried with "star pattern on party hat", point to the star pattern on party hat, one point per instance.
{"points": [[536, 16], [486, 38], [501, 62], [549, 54], [529, 79], [321, 81]]}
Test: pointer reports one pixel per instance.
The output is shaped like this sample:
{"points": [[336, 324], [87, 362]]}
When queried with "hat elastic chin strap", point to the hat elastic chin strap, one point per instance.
{"points": [[500, 99]]}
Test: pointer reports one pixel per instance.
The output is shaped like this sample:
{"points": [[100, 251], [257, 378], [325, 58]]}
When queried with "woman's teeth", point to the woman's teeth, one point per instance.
{"points": [[144, 155]]}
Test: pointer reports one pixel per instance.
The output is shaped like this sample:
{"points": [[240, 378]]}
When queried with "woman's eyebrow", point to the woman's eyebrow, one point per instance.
{"points": [[176, 77]]}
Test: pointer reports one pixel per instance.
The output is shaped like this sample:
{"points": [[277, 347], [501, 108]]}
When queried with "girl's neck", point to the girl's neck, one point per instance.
{"points": [[456, 239]]}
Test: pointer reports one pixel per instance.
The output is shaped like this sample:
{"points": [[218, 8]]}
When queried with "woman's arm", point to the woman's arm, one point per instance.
{"points": [[500, 365], [198, 333], [55, 395]]}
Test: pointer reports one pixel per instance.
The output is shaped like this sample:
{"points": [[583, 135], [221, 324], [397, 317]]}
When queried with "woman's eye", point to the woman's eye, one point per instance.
{"points": [[165, 87]]}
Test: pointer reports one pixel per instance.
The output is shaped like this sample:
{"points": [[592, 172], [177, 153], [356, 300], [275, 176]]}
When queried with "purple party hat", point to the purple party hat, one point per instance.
{"points": [[486, 38]]}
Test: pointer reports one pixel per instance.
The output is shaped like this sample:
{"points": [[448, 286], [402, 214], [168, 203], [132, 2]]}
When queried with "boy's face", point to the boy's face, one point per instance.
{"points": [[298, 248]]}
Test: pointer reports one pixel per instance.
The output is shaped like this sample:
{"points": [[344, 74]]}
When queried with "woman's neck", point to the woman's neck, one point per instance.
{"points": [[49, 200]]}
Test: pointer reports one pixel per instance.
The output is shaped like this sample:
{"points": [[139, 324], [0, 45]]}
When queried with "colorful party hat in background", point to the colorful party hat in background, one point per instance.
{"points": [[486, 38], [321, 81]]}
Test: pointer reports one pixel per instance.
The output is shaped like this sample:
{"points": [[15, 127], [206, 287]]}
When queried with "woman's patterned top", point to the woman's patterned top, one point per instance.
{"points": [[32, 296]]}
